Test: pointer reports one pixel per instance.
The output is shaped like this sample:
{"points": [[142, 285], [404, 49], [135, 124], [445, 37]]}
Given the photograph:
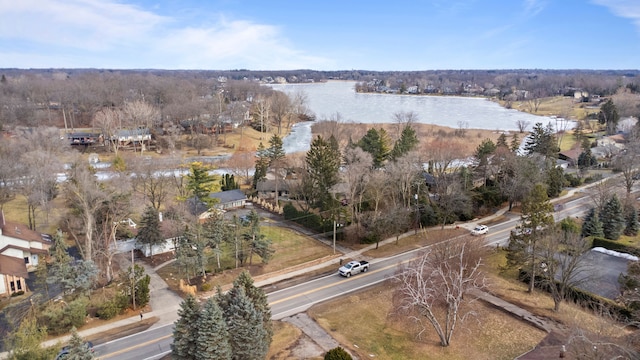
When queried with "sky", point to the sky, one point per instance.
{"points": [[379, 35]]}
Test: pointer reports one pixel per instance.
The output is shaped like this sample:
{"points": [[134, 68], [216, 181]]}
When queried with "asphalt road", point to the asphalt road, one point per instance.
{"points": [[155, 343]]}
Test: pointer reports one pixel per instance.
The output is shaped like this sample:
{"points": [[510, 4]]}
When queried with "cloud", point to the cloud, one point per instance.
{"points": [[98, 33], [88, 24], [534, 7], [629, 9]]}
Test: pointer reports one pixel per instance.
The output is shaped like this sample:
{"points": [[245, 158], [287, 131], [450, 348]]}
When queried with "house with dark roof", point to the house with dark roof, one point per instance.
{"points": [[230, 199], [19, 250]]}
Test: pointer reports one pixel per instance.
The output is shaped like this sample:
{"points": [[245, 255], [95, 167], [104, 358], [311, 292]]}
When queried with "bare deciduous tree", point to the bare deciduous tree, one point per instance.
{"points": [[435, 286], [564, 267], [522, 125]]}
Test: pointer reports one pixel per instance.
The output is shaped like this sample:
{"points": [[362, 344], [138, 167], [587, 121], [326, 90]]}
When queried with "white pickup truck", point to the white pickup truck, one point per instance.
{"points": [[353, 268]]}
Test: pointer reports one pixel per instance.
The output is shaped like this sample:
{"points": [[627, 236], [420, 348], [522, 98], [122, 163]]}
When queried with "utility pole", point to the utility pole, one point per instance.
{"points": [[133, 281], [334, 236]]}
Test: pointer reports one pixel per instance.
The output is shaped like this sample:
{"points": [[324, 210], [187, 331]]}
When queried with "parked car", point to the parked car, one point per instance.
{"points": [[65, 351], [480, 230]]}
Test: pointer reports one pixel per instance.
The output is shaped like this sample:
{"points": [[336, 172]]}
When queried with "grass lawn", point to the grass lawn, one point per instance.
{"points": [[365, 324], [291, 248]]}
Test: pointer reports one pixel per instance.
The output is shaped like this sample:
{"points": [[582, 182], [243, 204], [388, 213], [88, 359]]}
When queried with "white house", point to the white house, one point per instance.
{"points": [[19, 250]]}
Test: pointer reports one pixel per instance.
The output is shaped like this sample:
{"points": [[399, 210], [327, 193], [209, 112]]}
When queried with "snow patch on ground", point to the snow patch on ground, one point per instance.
{"points": [[615, 253]]}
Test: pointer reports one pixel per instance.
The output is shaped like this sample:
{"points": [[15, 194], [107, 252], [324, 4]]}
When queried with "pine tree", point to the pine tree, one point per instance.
{"points": [[592, 226], [502, 141], [612, 219], [376, 143], [259, 299], [245, 326], [149, 230], [407, 142], [228, 182], [262, 165], [185, 331], [515, 143], [213, 337], [323, 167], [609, 116], [200, 183], [337, 353], [537, 215], [631, 221], [78, 348]]}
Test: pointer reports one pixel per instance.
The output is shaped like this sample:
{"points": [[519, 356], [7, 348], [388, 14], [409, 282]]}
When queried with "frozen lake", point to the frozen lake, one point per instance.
{"points": [[326, 100]]}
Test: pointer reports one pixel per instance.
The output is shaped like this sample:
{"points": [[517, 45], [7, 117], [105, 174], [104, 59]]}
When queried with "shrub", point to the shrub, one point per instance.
{"points": [[206, 287], [337, 353], [18, 293], [573, 180], [108, 309], [61, 320]]}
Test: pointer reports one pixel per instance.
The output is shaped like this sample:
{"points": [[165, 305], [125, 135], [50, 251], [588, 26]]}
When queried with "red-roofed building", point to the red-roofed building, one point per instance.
{"points": [[19, 250]]}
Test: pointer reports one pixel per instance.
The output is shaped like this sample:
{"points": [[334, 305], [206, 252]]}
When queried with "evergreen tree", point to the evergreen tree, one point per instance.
{"points": [[200, 183], [256, 241], [407, 142], [275, 154], [138, 281], [259, 299], [542, 140], [591, 225], [185, 330], [24, 342], [515, 143], [609, 116], [631, 221], [228, 182], [555, 181], [337, 353], [376, 143], [149, 229], [323, 167], [502, 141], [537, 216], [262, 165], [245, 326], [78, 348], [213, 337], [612, 218]]}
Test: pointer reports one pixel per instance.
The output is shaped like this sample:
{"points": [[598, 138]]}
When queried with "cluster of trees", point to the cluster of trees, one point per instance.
{"points": [[231, 325], [379, 184]]}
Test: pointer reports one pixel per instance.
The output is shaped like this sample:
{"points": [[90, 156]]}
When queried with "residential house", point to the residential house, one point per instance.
{"points": [[230, 199], [267, 188], [135, 137], [19, 250]]}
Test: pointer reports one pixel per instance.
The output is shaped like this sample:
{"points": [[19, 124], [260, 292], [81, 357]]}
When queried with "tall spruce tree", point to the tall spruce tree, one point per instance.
{"points": [[78, 348], [631, 221], [185, 331], [323, 166], [407, 142], [378, 144], [612, 218], [213, 337], [149, 230], [609, 116], [245, 326], [537, 216], [591, 225], [262, 165], [275, 153], [259, 299]]}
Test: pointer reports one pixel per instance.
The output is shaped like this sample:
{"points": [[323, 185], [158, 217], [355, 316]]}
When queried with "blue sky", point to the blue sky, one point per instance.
{"points": [[320, 35]]}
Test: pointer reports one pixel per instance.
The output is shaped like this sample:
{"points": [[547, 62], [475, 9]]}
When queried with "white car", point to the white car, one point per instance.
{"points": [[480, 230]]}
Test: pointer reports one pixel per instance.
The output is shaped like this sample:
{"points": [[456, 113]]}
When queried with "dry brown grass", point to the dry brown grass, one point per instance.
{"points": [[362, 322]]}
